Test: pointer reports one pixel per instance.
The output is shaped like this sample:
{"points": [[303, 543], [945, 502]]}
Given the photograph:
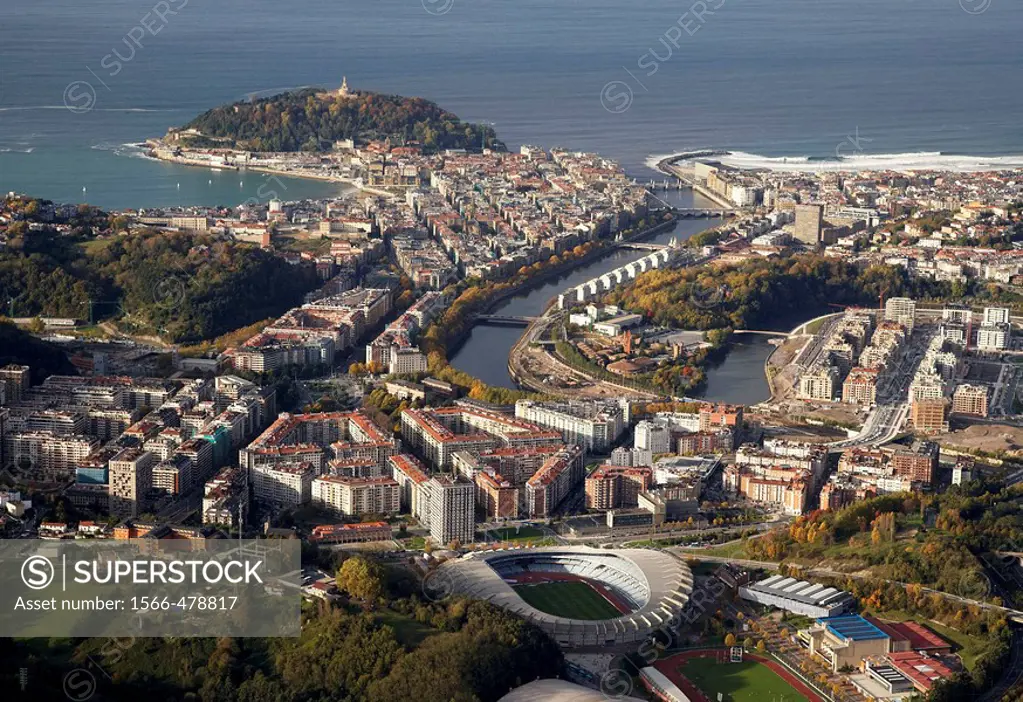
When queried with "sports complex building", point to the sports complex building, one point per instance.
{"points": [[798, 596], [631, 592]]}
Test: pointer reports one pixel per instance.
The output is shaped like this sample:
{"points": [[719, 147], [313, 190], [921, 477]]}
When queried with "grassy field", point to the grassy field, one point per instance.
{"points": [[568, 599], [516, 534], [739, 682]]}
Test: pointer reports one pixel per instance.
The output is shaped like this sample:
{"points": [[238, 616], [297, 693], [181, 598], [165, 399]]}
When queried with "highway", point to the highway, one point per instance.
{"points": [[885, 421]]}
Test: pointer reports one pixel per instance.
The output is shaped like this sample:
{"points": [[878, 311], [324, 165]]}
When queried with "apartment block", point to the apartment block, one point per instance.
{"points": [[288, 484], [929, 416], [860, 386], [614, 487], [495, 496], [901, 310], [437, 434], [131, 478], [555, 479], [173, 475], [592, 425], [970, 399], [452, 511], [356, 496]]}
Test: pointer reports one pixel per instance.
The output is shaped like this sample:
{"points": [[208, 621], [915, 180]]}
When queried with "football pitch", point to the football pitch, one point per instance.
{"points": [[739, 682], [574, 600]]}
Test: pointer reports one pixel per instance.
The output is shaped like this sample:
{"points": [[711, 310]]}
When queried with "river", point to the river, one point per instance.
{"points": [[738, 379]]}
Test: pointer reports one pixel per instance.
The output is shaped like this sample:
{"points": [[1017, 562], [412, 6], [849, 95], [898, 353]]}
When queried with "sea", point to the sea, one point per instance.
{"points": [[778, 83]]}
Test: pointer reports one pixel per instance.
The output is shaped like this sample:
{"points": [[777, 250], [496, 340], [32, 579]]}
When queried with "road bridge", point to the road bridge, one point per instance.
{"points": [[641, 246], [763, 332], [509, 320]]}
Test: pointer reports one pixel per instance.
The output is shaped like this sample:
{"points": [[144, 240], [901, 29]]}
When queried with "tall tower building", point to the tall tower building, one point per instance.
{"points": [[131, 477], [810, 224], [452, 510], [15, 381]]}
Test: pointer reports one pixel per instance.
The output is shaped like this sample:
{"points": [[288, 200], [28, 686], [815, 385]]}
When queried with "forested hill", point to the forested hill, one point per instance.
{"points": [[17, 346], [311, 120]]}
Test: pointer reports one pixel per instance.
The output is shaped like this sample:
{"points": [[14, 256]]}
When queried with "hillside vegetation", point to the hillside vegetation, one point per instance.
{"points": [[183, 286], [758, 292], [308, 120]]}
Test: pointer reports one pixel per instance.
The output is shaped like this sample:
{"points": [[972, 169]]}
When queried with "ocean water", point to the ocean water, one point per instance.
{"points": [[914, 81]]}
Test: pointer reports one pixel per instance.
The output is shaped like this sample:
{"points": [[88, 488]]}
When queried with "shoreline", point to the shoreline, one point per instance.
{"points": [[152, 150], [855, 161]]}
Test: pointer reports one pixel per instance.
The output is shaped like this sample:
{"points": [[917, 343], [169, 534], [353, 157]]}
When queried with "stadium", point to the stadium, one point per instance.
{"points": [[580, 596]]}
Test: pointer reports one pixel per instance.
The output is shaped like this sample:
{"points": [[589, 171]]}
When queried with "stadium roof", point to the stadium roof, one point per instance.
{"points": [[668, 584], [800, 591], [852, 627], [556, 691]]}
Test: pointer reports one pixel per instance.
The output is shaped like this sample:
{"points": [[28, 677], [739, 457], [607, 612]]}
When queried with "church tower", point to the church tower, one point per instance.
{"points": [[343, 91]]}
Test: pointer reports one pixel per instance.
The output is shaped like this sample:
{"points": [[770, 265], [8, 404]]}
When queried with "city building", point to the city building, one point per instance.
{"points": [[131, 478], [437, 434], [613, 487], [995, 330], [916, 462], [315, 437], [173, 475], [496, 496], [798, 596], [809, 224], [821, 381], [351, 533], [907, 673], [14, 382], [844, 640], [901, 310], [410, 474], [224, 495], [860, 386], [555, 479], [970, 399], [592, 425], [653, 437], [356, 496], [452, 510], [929, 416], [45, 455], [286, 484]]}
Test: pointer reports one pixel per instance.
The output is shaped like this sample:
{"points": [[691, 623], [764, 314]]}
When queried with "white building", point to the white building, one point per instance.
{"points": [[655, 438], [593, 425], [798, 596], [901, 310], [452, 510], [406, 361], [996, 315], [283, 484], [355, 496]]}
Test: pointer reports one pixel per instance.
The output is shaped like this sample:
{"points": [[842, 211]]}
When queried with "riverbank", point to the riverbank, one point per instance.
{"points": [[553, 272], [668, 167]]}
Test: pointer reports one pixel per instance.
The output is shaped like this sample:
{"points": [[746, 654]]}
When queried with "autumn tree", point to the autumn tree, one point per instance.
{"points": [[361, 578]]}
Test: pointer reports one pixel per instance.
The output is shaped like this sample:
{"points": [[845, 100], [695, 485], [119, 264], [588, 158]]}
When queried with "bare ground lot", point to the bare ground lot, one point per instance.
{"points": [[986, 437]]}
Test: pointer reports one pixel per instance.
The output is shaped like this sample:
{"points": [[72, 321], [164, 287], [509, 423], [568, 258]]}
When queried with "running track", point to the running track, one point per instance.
{"points": [[670, 667]]}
